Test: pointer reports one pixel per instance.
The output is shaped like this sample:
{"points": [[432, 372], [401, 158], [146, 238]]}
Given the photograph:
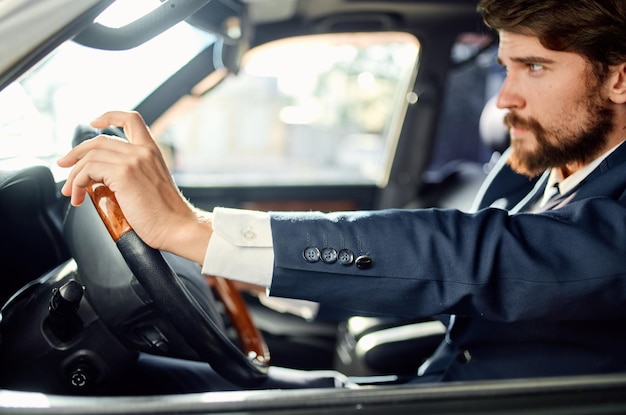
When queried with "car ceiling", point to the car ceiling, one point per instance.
{"points": [[263, 11], [276, 18], [287, 17]]}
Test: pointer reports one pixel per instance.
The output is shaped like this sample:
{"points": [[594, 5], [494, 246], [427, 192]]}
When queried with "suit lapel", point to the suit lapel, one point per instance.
{"points": [[533, 196], [503, 188]]}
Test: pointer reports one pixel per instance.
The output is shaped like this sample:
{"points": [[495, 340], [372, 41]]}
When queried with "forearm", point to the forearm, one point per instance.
{"points": [[191, 236]]}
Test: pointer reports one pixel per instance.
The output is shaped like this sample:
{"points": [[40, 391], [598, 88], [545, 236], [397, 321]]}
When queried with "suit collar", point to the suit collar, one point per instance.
{"points": [[570, 183], [616, 157], [608, 161]]}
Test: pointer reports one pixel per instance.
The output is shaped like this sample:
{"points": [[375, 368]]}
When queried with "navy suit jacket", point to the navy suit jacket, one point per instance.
{"points": [[533, 294]]}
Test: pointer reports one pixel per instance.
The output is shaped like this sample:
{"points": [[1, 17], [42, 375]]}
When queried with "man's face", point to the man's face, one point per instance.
{"points": [[557, 114]]}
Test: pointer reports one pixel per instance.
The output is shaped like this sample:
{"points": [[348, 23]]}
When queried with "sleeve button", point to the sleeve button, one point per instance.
{"points": [[363, 262], [311, 254], [345, 257], [329, 255]]}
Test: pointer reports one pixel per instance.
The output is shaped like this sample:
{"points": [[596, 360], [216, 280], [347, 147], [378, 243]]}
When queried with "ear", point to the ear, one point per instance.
{"points": [[617, 84]]}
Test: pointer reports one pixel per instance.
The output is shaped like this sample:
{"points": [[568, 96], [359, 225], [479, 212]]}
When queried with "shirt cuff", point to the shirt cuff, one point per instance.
{"points": [[241, 247]]}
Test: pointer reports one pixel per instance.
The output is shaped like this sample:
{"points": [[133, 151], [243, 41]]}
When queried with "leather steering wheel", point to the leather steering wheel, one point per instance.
{"points": [[177, 305]]}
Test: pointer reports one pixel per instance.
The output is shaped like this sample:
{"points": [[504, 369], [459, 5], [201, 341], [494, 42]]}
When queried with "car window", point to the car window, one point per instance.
{"points": [[39, 112], [322, 109]]}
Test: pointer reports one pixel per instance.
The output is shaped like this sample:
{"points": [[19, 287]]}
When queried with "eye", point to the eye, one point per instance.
{"points": [[535, 67]]}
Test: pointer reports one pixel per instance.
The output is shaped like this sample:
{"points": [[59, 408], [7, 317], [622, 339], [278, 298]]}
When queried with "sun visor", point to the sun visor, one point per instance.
{"points": [[27, 24]]}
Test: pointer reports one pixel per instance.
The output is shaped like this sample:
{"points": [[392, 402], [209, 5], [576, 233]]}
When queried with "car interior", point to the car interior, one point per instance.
{"points": [[83, 295], [125, 319]]}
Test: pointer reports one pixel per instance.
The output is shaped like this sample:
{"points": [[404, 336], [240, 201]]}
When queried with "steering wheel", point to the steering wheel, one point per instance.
{"points": [[175, 303]]}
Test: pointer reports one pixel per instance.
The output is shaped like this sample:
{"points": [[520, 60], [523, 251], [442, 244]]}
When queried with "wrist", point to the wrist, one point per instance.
{"points": [[191, 237]]}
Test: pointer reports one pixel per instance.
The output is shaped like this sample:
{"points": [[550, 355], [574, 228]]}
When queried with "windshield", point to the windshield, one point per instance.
{"points": [[76, 83], [309, 110]]}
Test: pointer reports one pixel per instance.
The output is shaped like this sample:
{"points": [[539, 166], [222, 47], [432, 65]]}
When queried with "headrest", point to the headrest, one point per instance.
{"points": [[492, 130]]}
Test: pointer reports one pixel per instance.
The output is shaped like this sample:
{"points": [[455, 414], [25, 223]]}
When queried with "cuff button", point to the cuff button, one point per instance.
{"points": [[363, 262], [329, 255], [345, 257], [311, 254]]}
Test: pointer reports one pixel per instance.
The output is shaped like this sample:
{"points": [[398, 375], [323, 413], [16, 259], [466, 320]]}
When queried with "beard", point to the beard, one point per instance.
{"points": [[559, 146]]}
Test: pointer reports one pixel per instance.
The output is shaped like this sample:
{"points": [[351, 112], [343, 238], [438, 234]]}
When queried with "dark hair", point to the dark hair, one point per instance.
{"points": [[594, 29]]}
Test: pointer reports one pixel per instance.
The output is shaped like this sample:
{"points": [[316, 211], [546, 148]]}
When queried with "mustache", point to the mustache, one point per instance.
{"points": [[511, 120]]}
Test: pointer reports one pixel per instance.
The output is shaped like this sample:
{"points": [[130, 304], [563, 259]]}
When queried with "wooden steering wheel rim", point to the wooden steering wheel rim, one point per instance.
{"points": [[251, 339], [252, 343]]}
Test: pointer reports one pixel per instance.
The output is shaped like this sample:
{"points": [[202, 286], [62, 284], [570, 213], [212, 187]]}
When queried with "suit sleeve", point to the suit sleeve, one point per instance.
{"points": [[568, 264]]}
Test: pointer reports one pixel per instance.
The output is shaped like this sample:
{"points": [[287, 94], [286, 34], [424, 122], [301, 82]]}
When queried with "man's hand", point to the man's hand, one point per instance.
{"points": [[138, 175]]}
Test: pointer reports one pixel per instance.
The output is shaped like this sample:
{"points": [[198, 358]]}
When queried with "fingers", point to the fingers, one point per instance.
{"points": [[131, 121], [76, 186], [79, 152], [95, 159]]}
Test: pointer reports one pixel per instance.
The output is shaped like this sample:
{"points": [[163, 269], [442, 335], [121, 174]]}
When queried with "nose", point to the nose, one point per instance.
{"points": [[509, 97]]}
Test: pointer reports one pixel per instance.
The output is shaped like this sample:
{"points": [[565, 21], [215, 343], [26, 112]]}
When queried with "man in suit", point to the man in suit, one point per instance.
{"points": [[536, 284]]}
